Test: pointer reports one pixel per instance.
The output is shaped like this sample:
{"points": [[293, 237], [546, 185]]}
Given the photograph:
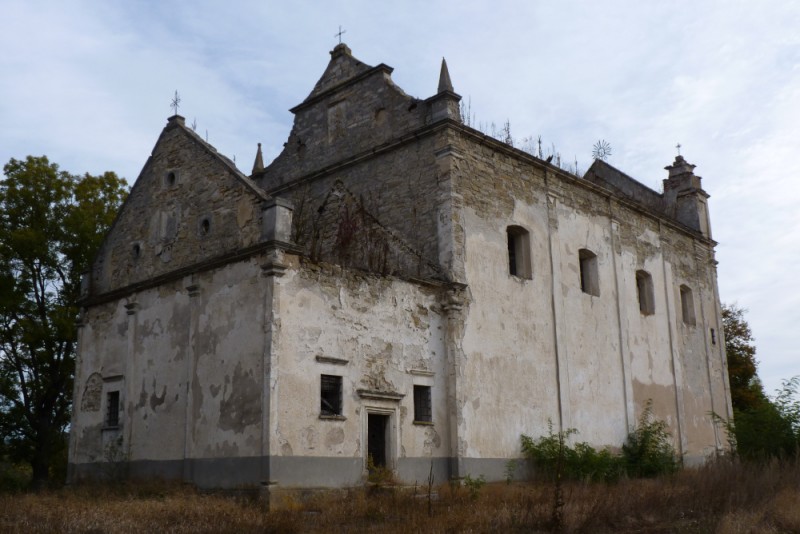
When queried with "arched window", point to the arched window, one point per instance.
{"points": [[519, 252], [644, 288], [590, 281], [687, 305]]}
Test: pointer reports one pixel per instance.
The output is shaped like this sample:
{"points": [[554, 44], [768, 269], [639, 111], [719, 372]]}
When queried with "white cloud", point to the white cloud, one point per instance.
{"points": [[89, 83]]}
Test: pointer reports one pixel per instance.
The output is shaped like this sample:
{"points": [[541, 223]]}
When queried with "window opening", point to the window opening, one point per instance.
{"points": [[205, 226], [589, 279], [422, 404], [687, 305], [644, 289], [519, 257], [713, 337], [112, 408], [330, 395], [171, 179]]}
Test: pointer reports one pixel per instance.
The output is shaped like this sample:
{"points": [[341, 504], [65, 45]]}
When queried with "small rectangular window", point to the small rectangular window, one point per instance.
{"points": [[590, 282], [112, 408], [713, 337], [644, 288], [519, 254], [422, 404], [687, 305], [330, 395]]}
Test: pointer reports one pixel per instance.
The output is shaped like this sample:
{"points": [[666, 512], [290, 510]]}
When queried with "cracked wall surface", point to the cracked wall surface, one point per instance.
{"points": [[214, 328]]}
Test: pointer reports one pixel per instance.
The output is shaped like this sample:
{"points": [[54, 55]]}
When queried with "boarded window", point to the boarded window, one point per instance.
{"points": [[422, 404], [644, 289], [519, 255], [687, 305], [330, 395], [590, 282], [112, 408]]}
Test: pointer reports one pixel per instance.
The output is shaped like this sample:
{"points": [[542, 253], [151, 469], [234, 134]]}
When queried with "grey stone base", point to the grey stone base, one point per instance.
{"points": [[293, 471]]}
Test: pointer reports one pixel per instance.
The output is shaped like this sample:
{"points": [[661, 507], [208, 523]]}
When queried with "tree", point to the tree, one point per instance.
{"points": [[51, 224], [747, 392], [763, 427]]}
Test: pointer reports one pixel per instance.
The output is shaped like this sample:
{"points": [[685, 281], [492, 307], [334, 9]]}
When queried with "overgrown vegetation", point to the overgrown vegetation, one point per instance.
{"points": [[531, 144], [647, 452], [762, 428], [725, 497]]}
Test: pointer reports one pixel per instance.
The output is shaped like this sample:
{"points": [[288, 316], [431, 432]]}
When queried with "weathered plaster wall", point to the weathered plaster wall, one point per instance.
{"points": [[381, 335], [187, 358], [599, 359], [103, 349]]}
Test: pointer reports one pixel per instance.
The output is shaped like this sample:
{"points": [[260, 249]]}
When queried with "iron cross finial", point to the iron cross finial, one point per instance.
{"points": [[339, 35], [175, 102], [678, 146]]}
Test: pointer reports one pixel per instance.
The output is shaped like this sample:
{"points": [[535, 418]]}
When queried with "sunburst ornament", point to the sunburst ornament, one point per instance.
{"points": [[601, 150]]}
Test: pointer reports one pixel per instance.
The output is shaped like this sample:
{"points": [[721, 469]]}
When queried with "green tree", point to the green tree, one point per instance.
{"points": [[51, 224], [763, 427], [746, 390]]}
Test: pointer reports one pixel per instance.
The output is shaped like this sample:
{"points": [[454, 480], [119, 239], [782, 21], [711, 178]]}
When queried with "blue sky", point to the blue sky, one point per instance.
{"points": [[89, 84]]}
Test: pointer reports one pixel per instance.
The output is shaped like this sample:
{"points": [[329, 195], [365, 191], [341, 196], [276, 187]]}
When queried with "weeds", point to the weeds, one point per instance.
{"points": [[724, 497], [552, 457], [379, 475], [647, 452], [474, 485]]}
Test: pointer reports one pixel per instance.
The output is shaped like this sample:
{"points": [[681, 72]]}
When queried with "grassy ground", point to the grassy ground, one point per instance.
{"points": [[723, 498]]}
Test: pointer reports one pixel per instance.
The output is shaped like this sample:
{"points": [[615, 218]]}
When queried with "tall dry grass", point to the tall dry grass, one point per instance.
{"points": [[724, 498]]}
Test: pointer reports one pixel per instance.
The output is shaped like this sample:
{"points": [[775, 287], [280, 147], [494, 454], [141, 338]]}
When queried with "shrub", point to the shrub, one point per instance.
{"points": [[553, 457], [648, 451], [474, 485]]}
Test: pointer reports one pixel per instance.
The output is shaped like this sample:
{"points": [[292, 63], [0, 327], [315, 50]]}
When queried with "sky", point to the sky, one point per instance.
{"points": [[89, 84]]}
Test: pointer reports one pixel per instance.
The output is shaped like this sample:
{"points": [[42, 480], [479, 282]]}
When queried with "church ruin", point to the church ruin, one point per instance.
{"points": [[395, 286]]}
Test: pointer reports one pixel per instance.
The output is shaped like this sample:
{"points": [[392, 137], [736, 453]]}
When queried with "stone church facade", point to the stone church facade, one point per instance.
{"points": [[394, 286]]}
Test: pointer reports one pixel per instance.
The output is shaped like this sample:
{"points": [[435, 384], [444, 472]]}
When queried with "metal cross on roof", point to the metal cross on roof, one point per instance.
{"points": [[678, 146], [175, 102], [339, 35]]}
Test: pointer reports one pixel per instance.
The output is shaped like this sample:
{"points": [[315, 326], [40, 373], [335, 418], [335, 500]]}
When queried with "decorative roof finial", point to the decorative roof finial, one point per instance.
{"points": [[678, 146], [258, 165], [339, 35], [444, 79], [176, 100]]}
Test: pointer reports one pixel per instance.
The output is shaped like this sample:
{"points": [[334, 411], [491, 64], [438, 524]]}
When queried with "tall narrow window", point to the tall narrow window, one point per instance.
{"points": [[112, 408], [590, 282], [422, 404], [519, 255], [330, 395], [644, 288], [687, 305]]}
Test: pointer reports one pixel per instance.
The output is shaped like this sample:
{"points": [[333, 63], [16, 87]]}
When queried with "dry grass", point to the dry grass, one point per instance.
{"points": [[723, 498]]}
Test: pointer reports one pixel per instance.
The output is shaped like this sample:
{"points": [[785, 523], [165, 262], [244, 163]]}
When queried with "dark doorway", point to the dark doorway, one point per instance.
{"points": [[376, 438]]}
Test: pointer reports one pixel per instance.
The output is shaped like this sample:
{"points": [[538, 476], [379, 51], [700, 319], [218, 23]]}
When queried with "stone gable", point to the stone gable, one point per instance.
{"points": [[188, 205]]}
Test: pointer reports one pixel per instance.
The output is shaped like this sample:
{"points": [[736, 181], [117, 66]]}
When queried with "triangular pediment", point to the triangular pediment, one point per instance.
{"points": [[341, 68], [189, 205]]}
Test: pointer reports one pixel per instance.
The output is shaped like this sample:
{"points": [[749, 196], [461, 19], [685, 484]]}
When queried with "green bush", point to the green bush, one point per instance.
{"points": [[14, 477], [553, 457], [769, 428], [648, 451]]}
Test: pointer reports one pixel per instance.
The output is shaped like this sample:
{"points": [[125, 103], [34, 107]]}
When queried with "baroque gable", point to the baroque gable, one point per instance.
{"points": [[189, 205]]}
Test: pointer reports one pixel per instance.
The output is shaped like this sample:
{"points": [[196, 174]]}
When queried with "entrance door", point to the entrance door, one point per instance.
{"points": [[376, 438]]}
